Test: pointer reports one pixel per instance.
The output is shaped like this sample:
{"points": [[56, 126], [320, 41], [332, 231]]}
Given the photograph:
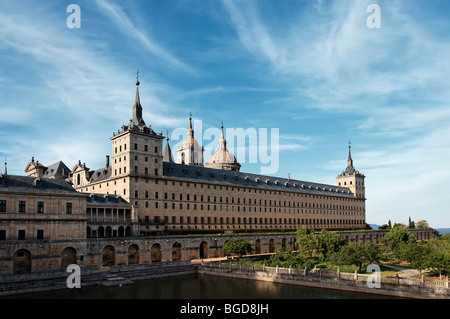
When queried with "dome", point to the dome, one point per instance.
{"points": [[222, 159], [222, 156]]}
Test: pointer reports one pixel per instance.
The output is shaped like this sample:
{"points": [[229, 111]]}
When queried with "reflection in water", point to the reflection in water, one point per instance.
{"points": [[201, 287]]}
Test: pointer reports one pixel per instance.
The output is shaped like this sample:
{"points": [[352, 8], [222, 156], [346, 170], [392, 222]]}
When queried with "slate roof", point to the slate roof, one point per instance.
{"points": [[58, 169], [107, 199], [36, 185], [100, 174], [241, 179]]}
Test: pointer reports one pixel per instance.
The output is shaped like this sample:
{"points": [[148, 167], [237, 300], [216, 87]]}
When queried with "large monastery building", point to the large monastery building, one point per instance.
{"points": [[193, 196]]}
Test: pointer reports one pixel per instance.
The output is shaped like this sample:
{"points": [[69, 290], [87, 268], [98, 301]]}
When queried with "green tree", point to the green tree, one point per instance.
{"points": [[306, 241], [411, 224], [361, 254], [238, 246], [329, 242], [422, 224], [439, 254], [396, 236], [414, 252]]}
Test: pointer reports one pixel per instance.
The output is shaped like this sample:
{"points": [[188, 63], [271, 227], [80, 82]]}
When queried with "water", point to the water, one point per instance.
{"points": [[201, 287]]}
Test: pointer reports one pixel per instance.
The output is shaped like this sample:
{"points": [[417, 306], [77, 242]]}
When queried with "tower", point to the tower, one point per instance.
{"points": [[351, 178], [190, 152], [222, 159], [136, 153]]}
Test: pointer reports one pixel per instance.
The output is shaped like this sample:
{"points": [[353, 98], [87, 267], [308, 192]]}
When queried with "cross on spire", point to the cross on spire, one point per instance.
{"points": [[137, 78]]}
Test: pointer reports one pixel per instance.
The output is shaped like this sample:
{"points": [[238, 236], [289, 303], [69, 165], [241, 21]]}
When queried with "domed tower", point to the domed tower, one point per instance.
{"points": [[190, 152], [352, 178], [222, 159]]}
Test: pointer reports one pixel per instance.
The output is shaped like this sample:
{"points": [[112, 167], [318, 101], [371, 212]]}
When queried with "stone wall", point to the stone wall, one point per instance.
{"points": [[54, 254]]}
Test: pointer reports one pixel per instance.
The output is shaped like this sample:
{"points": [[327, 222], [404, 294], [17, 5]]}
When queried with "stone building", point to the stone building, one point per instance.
{"points": [[191, 197], [43, 218]]}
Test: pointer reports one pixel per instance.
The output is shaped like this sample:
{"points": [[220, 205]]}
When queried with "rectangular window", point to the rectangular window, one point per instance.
{"points": [[40, 234], [40, 207], [68, 208], [2, 234], [21, 234], [2, 206], [21, 206]]}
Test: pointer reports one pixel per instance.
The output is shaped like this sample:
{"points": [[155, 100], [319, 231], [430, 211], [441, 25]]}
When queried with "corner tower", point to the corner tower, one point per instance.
{"points": [[136, 153], [352, 178]]}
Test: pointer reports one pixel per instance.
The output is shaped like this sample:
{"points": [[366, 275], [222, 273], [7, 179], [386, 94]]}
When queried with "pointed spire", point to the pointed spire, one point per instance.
{"points": [[349, 160], [350, 169], [137, 108], [222, 140], [6, 170], [168, 151], [190, 132]]}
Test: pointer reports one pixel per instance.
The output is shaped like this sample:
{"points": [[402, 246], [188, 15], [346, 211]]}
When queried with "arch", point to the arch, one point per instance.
{"points": [[121, 231], [258, 246], [101, 232], [133, 254], [108, 231], [156, 252], [176, 251], [128, 231], [22, 261], [271, 245], [284, 242], [109, 256], [68, 256], [88, 232], [204, 250]]}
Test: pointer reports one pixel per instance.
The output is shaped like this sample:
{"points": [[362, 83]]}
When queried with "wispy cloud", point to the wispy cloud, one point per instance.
{"points": [[121, 20]]}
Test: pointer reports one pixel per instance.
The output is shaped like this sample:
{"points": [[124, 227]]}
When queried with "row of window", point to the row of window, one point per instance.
{"points": [[262, 221], [21, 234], [255, 201], [22, 207], [135, 147], [255, 209]]}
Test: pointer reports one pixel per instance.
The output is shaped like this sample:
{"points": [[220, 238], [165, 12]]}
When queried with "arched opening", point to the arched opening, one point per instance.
{"points": [[68, 257], [109, 256], [176, 251], [133, 254], [271, 245], [101, 232], [204, 250], [258, 246], [22, 261], [88, 232], [156, 253], [108, 232], [121, 231], [284, 242], [128, 231]]}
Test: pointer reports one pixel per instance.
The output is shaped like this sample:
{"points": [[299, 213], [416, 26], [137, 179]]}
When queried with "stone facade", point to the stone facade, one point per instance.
{"points": [[187, 197]]}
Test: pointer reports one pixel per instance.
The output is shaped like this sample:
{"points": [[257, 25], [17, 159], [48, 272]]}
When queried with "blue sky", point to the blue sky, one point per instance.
{"points": [[312, 69]]}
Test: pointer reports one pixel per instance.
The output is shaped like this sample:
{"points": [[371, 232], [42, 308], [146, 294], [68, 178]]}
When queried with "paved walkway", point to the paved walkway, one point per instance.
{"points": [[405, 273]]}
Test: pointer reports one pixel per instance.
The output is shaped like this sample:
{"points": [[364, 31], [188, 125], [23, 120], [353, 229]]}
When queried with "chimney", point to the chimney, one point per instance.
{"points": [[289, 176], [107, 161]]}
